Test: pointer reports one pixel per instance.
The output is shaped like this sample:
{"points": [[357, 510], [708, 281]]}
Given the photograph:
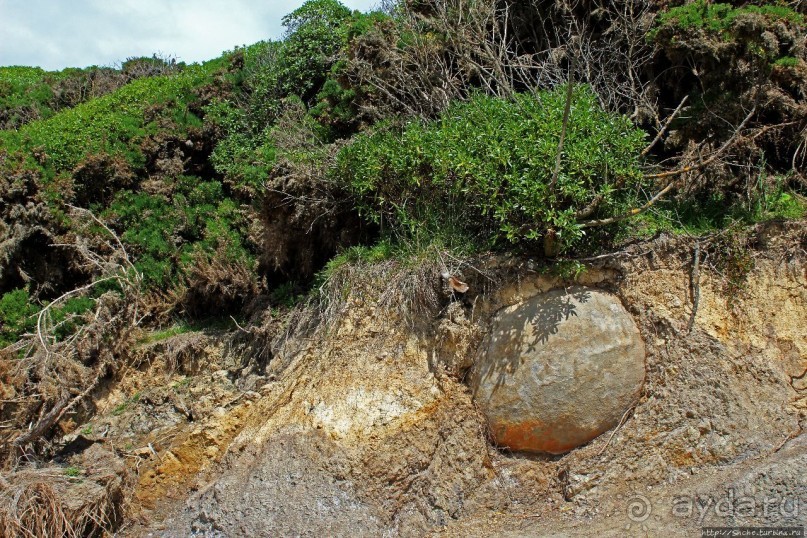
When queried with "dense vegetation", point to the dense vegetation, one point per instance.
{"points": [[30, 93], [160, 191], [485, 167], [188, 163]]}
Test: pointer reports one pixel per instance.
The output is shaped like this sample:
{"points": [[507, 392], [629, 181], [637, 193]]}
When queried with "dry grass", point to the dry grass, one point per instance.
{"points": [[408, 289], [413, 287], [46, 503]]}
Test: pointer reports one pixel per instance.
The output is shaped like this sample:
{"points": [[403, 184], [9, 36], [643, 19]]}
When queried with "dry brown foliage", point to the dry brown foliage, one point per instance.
{"points": [[305, 217], [442, 49], [412, 288], [53, 376], [215, 285]]}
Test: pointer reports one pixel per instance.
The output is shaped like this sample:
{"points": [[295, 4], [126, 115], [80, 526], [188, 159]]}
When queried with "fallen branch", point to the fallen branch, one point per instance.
{"points": [[121, 248], [42, 426], [595, 203], [590, 208], [712, 158], [44, 311], [632, 213], [613, 433], [792, 435], [61, 361]]}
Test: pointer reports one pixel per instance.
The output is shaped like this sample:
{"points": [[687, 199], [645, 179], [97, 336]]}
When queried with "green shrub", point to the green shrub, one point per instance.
{"points": [[66, 317], [17, 316], [360, 254], [336, 107], [299, 64], [73, 471], [30, 93], [99, 153], [315, 33], [114, 124], [244, 159], [718, 18], [787, 61], [486, 166], [165, 233], [771, 198], [784, 205], [305, 65], [181, 327], [719, 31], [24, 95]]}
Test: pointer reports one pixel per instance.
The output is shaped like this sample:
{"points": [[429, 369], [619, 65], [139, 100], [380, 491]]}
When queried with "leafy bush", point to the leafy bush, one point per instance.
{"points": [[114, 124], [336, 107], [166, 234], [486, 166], [17, 316], [30, 93], [122, 155], [149, 66], [719, 18], [316, 32], [787, 61], [306, 66], [24, 94], [66, 317], [244, 159], [298, 65]]}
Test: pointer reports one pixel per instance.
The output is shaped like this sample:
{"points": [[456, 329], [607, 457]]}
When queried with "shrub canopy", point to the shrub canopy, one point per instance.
{"points": [[487, 165]]}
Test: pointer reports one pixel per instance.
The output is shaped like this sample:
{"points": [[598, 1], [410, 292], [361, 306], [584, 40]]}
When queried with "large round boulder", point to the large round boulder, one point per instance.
{"points": [[558, 370]]}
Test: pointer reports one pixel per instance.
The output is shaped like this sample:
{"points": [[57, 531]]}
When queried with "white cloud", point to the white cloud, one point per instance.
{"points": [[54, 34]]}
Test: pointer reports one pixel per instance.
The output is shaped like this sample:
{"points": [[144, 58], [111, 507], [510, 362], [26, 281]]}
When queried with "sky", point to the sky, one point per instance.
{"points": [[54, 34]]}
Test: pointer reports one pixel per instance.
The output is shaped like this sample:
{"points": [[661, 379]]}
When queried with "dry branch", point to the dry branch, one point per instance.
{"points": [[567, 107], [695, 285], [56, 371], [664, 128], [672, 173]]}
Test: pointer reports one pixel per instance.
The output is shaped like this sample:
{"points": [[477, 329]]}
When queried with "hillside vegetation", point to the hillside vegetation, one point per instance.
{"points": [[162, 193]]}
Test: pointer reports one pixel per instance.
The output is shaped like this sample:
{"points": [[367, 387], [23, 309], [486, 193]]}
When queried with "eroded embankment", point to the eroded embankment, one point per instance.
{"points": [[365, 426]]}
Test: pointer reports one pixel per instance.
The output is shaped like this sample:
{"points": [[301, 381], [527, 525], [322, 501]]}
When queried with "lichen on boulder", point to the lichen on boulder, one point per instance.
{"points": [[558, 370]]}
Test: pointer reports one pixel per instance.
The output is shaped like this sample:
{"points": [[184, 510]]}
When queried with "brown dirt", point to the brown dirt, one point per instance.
{"points": [[401, 441], [364, 426]]}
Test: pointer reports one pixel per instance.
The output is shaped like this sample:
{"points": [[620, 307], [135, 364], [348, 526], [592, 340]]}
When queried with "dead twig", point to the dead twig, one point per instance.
{"points": [[792, 435], [664, 128], [613, 433], [712, 158], [56, 413], [567, 107], [695, 285], [62, 378]]}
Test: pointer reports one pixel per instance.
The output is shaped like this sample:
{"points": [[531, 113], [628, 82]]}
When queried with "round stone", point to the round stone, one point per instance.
{"points": [[558, 370]]}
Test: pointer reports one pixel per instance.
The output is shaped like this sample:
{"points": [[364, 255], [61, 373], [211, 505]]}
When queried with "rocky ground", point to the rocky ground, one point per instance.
{"points": [[366, 426]]}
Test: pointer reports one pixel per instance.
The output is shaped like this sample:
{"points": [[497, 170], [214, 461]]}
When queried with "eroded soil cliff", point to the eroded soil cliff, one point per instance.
{"points": [[364, 425]]}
